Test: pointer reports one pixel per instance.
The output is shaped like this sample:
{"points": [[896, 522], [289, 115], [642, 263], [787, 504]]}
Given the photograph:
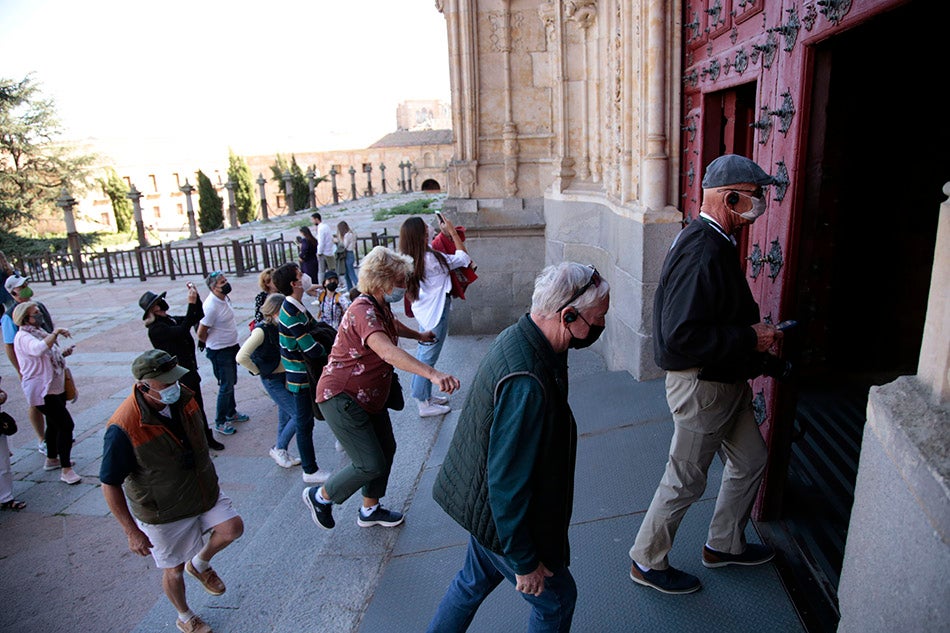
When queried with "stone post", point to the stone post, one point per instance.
{"points": [[232, 206], [187, 189], [136, 196], [382, 175], [261, 181], [289, 193], [336, 192], [409, 176], [66, 202], [353, 195], [402, 176], [311, 184], [369, 178]]}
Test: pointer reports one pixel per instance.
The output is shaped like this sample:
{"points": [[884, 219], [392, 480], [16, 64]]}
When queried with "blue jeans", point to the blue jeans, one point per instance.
{"points": [[350, 270], [224, 365], [275, 385], [428, 353], [483, 570], [303, 424]]}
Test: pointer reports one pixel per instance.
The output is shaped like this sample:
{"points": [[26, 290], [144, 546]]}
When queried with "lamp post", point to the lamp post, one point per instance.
{"points": [[66, 202], [261, 181], [336, 192], [232, 206], [136, 196], [187, 189], [352, 182], [368, 168], [409, 175], [311, 177], [289, 192], [382, 175]]}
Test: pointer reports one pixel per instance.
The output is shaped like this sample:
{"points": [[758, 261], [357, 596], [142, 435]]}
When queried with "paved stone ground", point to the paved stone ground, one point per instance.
{"points": [[64, 562]]}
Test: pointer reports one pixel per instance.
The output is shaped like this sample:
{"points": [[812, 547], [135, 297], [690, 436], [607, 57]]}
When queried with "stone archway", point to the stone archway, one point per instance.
{"points": [[431, 184]]}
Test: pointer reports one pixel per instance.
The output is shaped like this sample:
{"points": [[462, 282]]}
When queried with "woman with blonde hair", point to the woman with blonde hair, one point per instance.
{"points": [[43, 380], [347, 238], [354, 389], [265, 281], [428, 289]]}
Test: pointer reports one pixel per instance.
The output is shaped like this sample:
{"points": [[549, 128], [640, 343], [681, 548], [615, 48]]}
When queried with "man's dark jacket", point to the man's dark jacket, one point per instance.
{"points": [[461, 487], [173, 335], [704, 310]]}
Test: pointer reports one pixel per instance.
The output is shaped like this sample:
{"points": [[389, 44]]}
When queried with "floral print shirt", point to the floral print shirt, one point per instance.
{"points": [[353, 368]]}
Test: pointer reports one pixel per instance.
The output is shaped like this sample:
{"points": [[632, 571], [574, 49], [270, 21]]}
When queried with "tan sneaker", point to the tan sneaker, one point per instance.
{"points": [[194, 625], [209, 579]]}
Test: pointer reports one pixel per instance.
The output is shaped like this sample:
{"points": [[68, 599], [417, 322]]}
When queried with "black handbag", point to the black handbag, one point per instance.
{"points": [[395, 401], [7, 424]]}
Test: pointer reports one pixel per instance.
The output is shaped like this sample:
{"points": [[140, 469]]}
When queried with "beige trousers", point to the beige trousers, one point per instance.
{"points": [[707, 417]]}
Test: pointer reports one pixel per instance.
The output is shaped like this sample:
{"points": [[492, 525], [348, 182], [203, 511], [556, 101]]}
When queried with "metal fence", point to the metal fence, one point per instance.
{"points": [[236, 257]]}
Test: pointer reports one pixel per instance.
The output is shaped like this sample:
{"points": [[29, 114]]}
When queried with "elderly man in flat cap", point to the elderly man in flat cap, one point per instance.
{"points": [[709, 338], [160, 483]]}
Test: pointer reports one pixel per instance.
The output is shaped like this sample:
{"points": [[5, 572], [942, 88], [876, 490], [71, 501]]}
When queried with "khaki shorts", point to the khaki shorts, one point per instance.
{"points": [[177, 542]]}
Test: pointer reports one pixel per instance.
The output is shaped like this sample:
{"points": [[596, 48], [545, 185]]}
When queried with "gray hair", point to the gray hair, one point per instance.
{"points": [[556, 284]]}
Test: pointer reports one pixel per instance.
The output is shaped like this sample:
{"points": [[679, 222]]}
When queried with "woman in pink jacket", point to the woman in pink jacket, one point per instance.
{"points": [[43, 379]]}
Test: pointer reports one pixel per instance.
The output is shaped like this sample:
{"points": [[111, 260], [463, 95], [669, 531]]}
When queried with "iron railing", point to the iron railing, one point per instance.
{"points": [[236, 257]]}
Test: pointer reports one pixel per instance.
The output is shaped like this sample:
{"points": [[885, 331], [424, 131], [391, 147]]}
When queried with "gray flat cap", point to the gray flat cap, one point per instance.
{"points": [[732, 169]]}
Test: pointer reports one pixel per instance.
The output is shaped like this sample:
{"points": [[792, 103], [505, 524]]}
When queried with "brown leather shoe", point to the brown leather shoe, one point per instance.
{"points": [[208, 579], [194, 625]]}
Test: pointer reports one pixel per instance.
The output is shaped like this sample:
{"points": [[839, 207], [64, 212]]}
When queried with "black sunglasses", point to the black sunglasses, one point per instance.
{"points": [[593, 281]]}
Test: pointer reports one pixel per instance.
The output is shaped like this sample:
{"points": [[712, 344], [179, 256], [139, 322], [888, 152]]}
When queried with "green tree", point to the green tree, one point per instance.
{"points": [[244, 197], [210, 205], [298, 181], [35, 165], [114, 187]]}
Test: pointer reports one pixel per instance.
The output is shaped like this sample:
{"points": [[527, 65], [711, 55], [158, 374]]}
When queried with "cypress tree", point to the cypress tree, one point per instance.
{"points": [[210, 205]]}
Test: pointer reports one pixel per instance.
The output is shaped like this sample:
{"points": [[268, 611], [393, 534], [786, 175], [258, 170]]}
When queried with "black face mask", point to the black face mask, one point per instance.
{"points": [[225, 289], [592, 335], [332, 286], [587, 341], [162, 305]]}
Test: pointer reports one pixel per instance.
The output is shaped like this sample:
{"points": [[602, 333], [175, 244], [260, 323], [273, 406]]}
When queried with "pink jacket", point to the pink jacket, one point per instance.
{"points": [[36, 367]]}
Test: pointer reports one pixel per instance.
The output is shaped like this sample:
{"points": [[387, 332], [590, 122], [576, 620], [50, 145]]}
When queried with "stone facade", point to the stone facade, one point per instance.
{"points": [[546, 105]]}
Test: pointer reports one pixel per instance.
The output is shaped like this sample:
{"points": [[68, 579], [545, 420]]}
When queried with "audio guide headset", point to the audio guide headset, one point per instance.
{"points": [[570, 316], [732, 198]]}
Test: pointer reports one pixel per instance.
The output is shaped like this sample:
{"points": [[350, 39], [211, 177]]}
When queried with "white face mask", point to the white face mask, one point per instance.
{"points": [[170, 394], [758, 208]]}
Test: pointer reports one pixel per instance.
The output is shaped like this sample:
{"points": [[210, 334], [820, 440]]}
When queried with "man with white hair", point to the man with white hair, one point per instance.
{"points": [[508, 476]]}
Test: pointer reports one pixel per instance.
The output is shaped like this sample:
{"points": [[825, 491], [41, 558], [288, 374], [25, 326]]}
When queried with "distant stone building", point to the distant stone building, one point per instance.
{"points": [[419, 114], [426, 151]]}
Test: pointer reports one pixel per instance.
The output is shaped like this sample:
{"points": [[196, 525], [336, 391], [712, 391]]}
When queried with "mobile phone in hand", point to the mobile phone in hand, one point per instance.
{"points": [[784, 326], [441, 219]]}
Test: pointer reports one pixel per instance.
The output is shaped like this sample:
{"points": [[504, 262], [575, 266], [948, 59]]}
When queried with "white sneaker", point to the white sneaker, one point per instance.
{"points": [[439, 400], [41, 447], [319, 477], [427, 408], [293, 460], [280, 456]]}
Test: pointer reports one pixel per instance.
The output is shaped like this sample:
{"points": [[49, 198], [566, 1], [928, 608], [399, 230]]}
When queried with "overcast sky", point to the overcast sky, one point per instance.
{"points": [[203, 75]]}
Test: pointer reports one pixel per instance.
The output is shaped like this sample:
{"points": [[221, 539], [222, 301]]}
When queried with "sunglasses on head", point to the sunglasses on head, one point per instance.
{"points": [[593, 281]]}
